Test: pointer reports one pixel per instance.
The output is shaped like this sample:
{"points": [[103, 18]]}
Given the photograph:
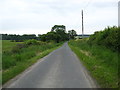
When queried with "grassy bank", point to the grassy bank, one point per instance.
{"points": [[100, 61], [17, 58]]}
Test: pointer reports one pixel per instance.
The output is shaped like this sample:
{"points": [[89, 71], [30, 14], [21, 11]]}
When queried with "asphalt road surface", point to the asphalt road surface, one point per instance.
{"points": [[60, 69]]}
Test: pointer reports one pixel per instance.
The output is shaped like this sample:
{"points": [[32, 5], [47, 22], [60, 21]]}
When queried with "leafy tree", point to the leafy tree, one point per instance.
{"points": [[61, 32], [43, 37], [57, 34], [58, 27], [72, 34]]}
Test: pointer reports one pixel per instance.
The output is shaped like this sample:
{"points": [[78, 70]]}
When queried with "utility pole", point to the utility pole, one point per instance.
{"points": [[82, 25]]}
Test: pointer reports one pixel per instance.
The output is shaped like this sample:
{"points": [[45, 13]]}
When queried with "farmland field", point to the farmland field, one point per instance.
{"points": [[7, 45]]}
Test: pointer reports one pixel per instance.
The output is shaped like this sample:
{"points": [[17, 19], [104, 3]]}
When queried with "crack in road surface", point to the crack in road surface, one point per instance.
{"points": [[60, 69]]}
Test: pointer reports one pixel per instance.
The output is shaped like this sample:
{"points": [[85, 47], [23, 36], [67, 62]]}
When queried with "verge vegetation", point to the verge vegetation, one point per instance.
{"points": [[17, 56], [100, 54]]}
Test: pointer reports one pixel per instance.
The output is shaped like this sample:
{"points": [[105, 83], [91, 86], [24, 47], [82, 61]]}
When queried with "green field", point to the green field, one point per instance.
{"points": [[99, 60], [7, 45], [16, 58]]}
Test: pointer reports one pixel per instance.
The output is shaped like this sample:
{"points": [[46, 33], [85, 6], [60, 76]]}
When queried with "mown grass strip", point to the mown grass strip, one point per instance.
{"points": [[105, 72], [21, 66]]}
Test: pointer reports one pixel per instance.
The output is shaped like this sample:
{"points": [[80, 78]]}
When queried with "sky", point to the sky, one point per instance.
{"points": [[39, 16]]}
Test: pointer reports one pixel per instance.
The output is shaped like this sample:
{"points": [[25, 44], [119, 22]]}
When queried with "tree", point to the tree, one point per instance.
{"points": [[43, 37], [58, 27], [57, 34], [60, 32], [72, 34]]}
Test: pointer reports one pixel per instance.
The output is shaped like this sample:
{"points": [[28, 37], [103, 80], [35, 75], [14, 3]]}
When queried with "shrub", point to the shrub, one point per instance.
{"points": [[31, 42], [16, 49], [108, 38]]}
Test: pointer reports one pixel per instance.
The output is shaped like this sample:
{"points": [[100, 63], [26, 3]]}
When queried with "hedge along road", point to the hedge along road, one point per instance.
{"points": [[60, 69]]}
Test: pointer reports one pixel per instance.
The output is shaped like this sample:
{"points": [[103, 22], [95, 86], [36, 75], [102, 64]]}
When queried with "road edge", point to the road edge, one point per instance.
{"points": [[8, 83], [91, 79]]}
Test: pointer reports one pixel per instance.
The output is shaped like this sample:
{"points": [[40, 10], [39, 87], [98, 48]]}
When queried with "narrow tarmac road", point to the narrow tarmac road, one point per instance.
{"points": [[60, 69]]}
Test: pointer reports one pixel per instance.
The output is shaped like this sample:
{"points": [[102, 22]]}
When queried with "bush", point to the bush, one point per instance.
{"points": [[16, 49], [108, 38], [31, 42], [28, 43], [34, 42]]}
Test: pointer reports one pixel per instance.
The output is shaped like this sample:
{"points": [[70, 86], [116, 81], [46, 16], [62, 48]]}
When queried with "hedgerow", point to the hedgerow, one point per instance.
{"points": [[109, 38]]}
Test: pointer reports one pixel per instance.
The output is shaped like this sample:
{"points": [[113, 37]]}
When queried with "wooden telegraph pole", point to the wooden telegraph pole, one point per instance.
{"points": [[82, 25]]}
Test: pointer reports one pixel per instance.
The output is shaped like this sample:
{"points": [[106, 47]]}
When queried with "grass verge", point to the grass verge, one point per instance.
{"points": [[14, 64], [100, 61]]}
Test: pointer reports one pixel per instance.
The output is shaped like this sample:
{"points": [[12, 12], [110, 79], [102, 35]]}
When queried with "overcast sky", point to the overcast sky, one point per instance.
{"points": [[39, 16]]}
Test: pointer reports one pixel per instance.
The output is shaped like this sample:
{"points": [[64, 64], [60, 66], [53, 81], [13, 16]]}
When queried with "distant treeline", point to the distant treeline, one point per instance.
{"points": [[18, 38], [57, 34], [109, 37]]}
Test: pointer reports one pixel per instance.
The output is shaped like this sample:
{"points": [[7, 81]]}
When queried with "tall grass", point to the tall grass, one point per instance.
{"points": [[18, 58], [100, 61]]}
